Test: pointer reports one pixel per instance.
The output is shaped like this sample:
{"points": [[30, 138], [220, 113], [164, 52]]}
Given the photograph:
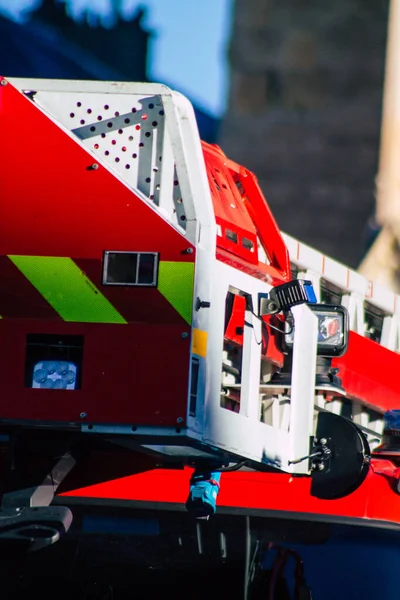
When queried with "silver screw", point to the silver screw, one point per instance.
{"points": [[185, 335], [189, 250], [3, 82], [321, 467], [83, 415], [179, 420], [323, 441], [95, 166]]}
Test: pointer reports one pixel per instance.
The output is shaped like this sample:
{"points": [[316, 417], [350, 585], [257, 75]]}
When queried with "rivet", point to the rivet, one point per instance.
{"points": [[189, 251], [185, 335], [95, 166], [3, 82], [180, 420], [83, 415]]}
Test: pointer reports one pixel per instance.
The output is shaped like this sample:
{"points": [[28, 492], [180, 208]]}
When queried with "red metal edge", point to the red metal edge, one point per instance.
{"points": [[247, 194], [369, 371], [263, 493]]}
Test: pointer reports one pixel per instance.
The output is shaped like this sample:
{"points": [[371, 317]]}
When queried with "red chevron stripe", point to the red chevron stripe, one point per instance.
{"points": [[19, 298], [136, 305]]}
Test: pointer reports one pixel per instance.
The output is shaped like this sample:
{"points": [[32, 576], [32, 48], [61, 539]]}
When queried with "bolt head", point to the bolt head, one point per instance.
{"points": [[323, 441]]}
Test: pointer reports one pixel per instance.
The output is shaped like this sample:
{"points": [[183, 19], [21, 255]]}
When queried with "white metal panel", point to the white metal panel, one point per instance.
{"points": [[243, 433], [303, 256], [249, 402], [390, 337], [355, 305], [381, 297], [335, 272], [358, 284], [303, 383]]}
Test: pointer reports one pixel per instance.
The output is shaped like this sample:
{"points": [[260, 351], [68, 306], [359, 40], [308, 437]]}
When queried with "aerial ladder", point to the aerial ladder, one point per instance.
{"points": [[152, 310]]}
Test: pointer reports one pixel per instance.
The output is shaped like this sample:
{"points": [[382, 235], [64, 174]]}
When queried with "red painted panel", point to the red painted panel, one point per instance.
{"points": [[238, 245], [261, 271], [248, 491], [247, 214], [132, 374], [19, 297], [369, 372], [229, 208], [52, 205], [263, 219], [235, 327]]}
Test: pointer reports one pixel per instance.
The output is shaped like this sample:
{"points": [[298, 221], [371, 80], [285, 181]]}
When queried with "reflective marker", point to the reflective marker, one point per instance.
{"points": [[67, 289]]}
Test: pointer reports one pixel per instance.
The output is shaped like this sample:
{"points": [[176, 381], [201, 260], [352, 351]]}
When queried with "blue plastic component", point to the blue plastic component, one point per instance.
{"points": [[391, 422], [297, 291], [204, 488], [309, 290], [120, 525]]}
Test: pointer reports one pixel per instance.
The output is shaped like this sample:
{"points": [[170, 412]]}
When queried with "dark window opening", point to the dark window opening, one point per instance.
{"points": [[373, 323], [54, 362], [130, 268], [330, 294], [216, 184], [248, 244], [231, 236], [240, 187], [193, 387]]}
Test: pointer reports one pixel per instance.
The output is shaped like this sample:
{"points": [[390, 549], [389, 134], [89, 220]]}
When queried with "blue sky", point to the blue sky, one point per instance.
{"points": [[189, 49]]}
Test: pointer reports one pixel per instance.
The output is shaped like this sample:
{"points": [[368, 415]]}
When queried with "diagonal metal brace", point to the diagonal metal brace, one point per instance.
{"points": [[42, 494], [27, 521]]}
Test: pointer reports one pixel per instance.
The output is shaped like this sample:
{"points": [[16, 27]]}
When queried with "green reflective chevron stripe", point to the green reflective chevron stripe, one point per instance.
{"points": [[175, 283], [67, 289]]}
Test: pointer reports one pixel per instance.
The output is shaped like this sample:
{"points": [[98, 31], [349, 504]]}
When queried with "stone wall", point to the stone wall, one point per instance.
{"points": [[304, 113]]}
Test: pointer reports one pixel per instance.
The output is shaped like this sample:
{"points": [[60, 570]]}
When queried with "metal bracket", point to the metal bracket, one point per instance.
{"points": [[27, 521], [320, 453]]}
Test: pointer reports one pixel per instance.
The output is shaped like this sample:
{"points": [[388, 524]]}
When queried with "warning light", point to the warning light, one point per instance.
{"points": [[54, 375], [333, 329]]}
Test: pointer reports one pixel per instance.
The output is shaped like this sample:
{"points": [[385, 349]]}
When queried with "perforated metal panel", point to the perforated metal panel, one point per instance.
{"points": [[127, 132]]}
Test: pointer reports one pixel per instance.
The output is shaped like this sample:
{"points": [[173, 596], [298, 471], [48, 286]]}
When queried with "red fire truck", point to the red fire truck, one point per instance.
{"points": [[195, 402]]}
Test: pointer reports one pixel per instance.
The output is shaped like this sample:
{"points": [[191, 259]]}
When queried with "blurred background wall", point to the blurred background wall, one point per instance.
{"points": [[304, 112]]}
